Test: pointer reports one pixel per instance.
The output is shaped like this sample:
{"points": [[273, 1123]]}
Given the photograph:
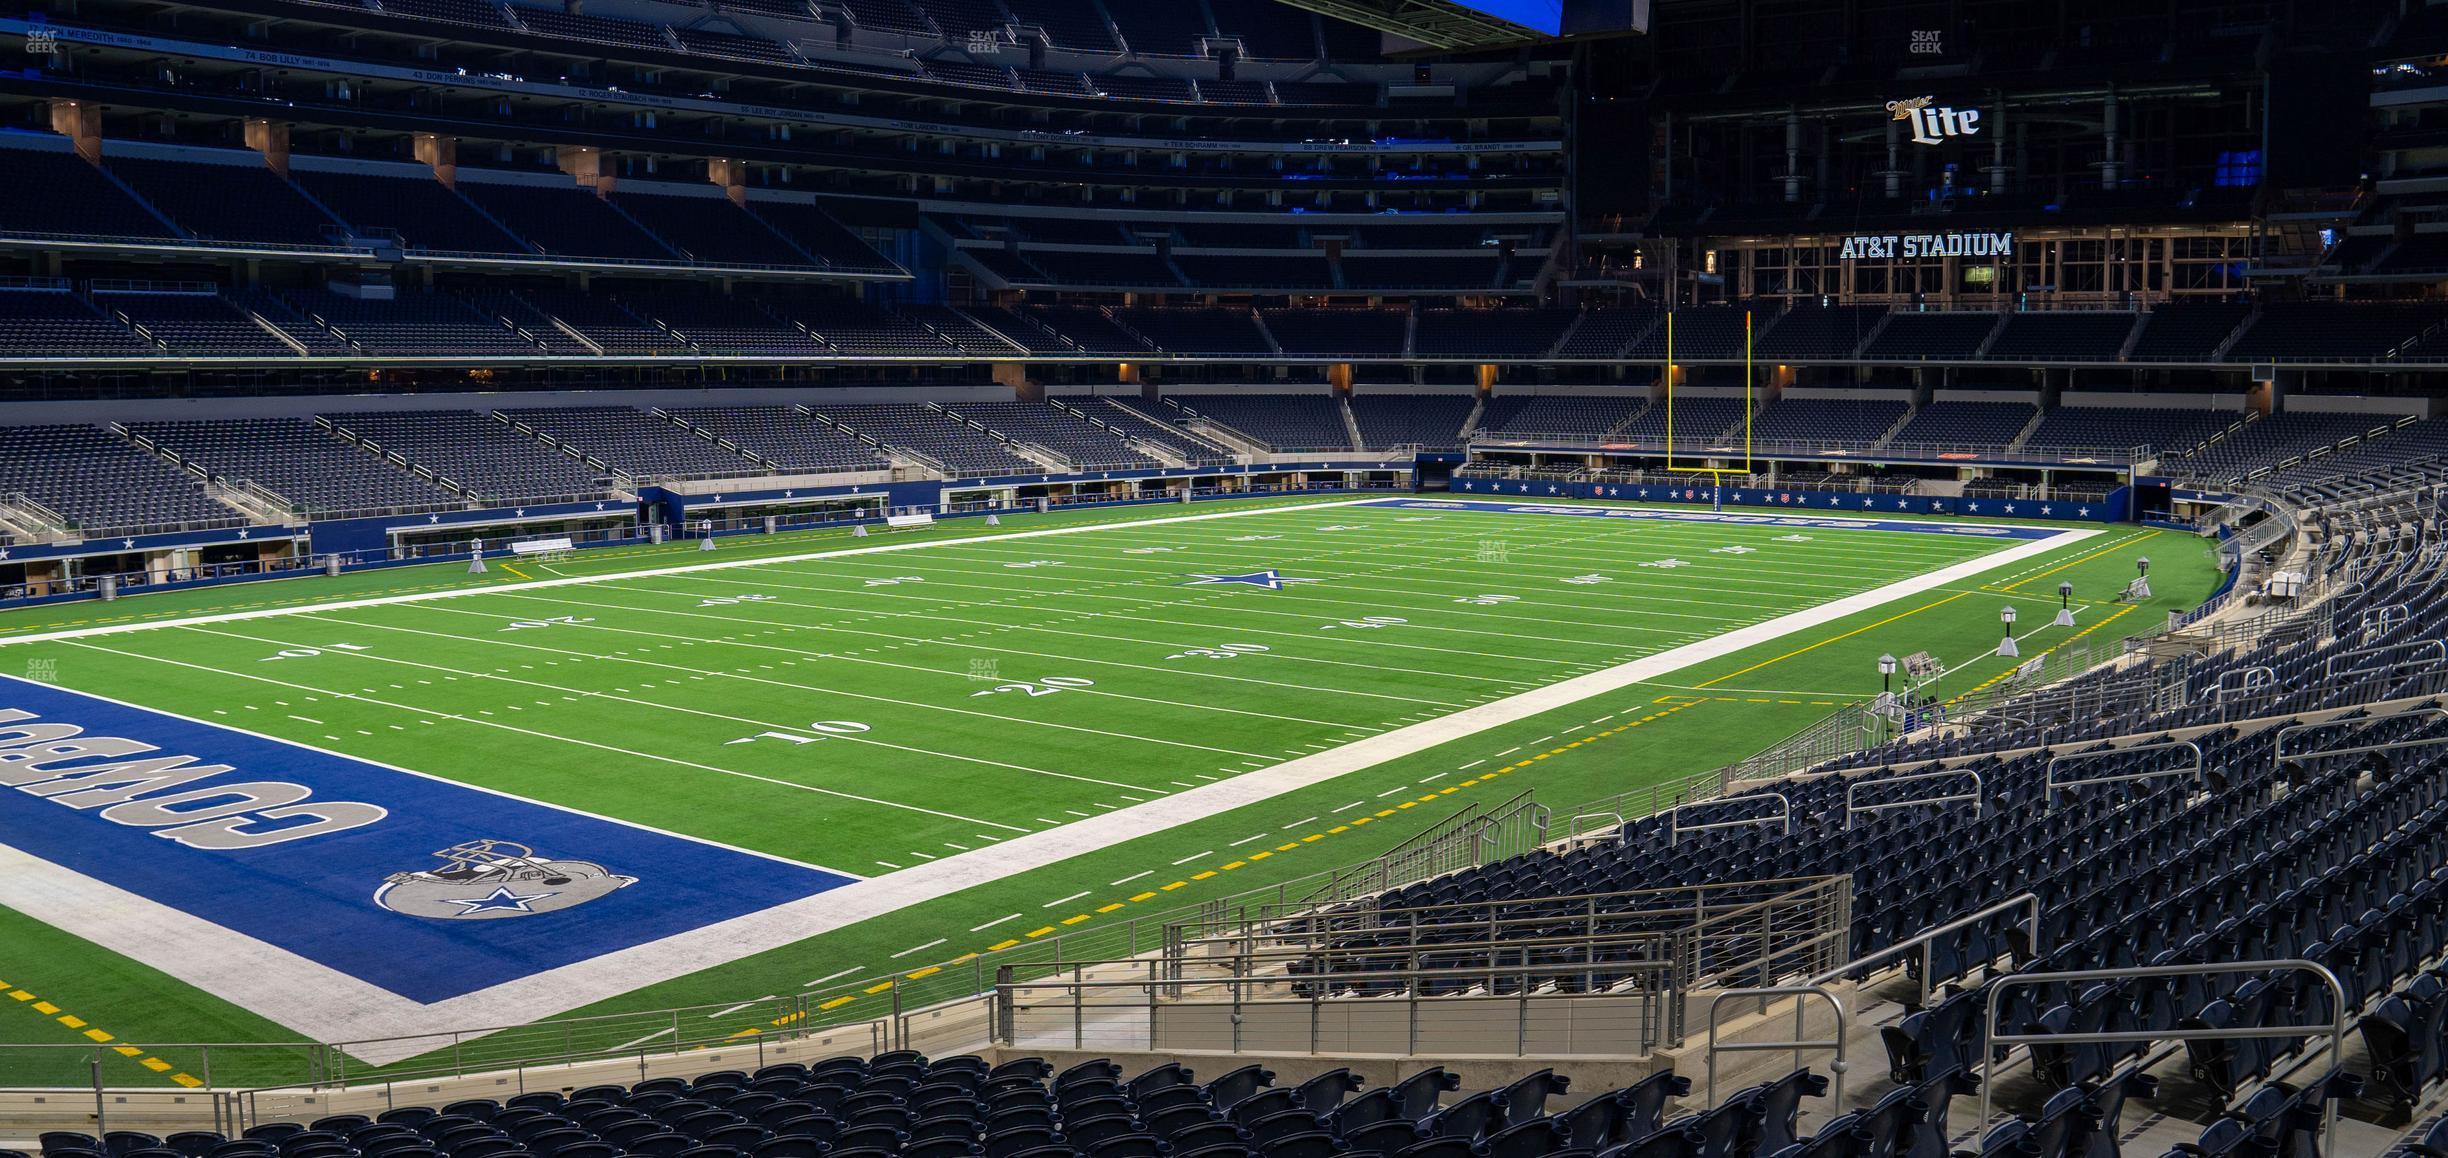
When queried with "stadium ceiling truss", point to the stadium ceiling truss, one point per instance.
{"points": [[1432, 23]]}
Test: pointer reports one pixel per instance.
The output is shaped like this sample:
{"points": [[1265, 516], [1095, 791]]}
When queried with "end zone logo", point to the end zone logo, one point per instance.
{"points": [[487, 879]]}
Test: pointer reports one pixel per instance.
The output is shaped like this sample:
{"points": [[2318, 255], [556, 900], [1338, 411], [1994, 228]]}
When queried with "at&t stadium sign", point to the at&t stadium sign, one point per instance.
{"points": [[1911, 246]]}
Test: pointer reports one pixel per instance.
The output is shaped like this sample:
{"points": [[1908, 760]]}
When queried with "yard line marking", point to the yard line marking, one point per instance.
{"points": [[663, 705], [645, 1039], [1235, 844], [1182, 861], [317, 723], [993, 923], [683, 569], [1471, 765], [829, 690], [1302, 820], [918, 948], [1135, 876], [1060, 901], [738, 1007], [538, 735]]}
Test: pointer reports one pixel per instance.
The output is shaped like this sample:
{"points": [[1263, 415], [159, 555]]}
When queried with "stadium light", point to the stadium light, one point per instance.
{"points": [[1887, 666], [2006, 646], [2065, 605]]}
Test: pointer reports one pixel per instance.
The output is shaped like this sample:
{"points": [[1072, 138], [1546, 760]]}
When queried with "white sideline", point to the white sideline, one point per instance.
{"points": [[330, 1006]]}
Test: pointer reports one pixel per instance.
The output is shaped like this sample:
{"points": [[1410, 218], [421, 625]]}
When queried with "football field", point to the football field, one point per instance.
{"points": [[823, 765]]}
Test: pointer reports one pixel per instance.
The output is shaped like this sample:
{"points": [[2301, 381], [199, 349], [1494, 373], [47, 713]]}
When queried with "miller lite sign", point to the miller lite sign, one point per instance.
{"points": [[1933, 123]]}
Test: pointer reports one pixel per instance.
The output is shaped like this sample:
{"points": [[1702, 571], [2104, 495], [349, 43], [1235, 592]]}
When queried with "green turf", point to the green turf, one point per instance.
{"points": [[651, 708]]}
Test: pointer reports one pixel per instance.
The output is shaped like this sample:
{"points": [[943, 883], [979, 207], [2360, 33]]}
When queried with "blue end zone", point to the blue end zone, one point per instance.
{"points": [[1828, 522], [290, 846]]}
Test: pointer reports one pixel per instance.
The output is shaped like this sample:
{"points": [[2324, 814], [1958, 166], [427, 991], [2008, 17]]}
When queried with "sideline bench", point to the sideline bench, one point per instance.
{"points": [[544, 550]]}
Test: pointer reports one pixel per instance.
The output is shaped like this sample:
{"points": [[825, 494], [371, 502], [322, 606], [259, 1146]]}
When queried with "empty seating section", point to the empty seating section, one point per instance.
{"points": [[816, 232], [2092, 427], [1067, 23], [1248, 271], [1606, 333], [1818, 333], [724, 325], [600, 29], [2072, 336], [2331, 331], [1369, 271], [1951, 424], [233, 203], [103, 484], [1921, 337], [2267, 443], [602, 321], [322, 474], [476, 451], [2187, 331], [1142, 423], [1858, 422], [424, 325], [636, 443], [712, 229], [1692, 421], [1489, 335], [1711, 333], [1283, 421], [930, 433], [425, 214], [1088, 446], [1197, 331], [1568, 415], [971, 334], [518, 313], [286, 317], [45, 323], [854, 327], [791, 440], [1362, 333], [908, 1104], [193, 323], [2401, 459], [1120, 268], [1030, 333], [566, 221], [59, 193], [1427, 421], [1088, 328]]}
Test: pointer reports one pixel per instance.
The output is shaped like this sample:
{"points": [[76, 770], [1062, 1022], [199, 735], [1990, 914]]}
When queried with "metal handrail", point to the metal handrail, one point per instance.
{"points": [[1853, 789], [1927, 937], [2437, 654], [2050, 784], [2336, 1029], [1837, 1068], [2245, 685], [2279, 756], [1675, 828]]}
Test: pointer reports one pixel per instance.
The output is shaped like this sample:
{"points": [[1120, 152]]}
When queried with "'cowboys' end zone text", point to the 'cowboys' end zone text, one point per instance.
{"points": [[332, 858], [177, 797]]}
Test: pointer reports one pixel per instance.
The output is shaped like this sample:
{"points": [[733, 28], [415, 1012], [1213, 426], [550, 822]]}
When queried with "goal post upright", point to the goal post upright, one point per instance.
{"points": [[1750, 406]]}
